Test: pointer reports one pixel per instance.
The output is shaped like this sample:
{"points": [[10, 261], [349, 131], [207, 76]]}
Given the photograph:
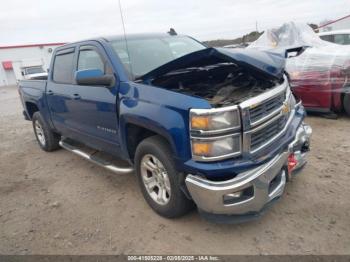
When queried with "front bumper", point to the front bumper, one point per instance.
{"points": [[250, 191], [300, 145]]}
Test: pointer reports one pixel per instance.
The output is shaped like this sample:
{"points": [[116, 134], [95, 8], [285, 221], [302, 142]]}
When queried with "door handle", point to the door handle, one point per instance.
{"points": [[76, 97], [50, 92]]}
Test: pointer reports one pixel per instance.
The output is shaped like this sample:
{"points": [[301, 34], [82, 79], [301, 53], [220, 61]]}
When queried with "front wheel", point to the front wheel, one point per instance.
{"points": [[346, 103], [47, 140], [159, 180]]}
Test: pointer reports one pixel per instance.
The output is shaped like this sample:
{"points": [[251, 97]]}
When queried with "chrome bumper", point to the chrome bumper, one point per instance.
{"points": [[300, 145], [249, 191]]}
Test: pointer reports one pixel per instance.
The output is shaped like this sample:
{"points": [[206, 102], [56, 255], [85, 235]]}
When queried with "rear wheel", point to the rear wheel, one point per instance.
{"points": [[47, 140], [346, 103], [159, 180]]}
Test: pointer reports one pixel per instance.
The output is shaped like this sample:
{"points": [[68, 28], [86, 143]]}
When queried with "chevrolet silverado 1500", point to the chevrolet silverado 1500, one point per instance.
{"points": [[215, 128]]}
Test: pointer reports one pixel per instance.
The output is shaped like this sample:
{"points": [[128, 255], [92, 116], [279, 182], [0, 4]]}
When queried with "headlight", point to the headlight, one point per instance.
{"points": [[214, 120], [216, 148], [215, 133]]}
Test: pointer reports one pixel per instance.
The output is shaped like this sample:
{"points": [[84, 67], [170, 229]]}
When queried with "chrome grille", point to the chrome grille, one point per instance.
{"points": [[265, 118], [266, 108], [261, 136]]}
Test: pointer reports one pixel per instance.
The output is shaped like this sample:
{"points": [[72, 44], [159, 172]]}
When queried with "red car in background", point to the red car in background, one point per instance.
{"points": [[325, 91], [319, 72]]}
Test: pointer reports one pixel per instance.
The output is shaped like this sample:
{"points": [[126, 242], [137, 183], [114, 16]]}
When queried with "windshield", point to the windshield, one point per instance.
{"points": [[149, 53], [34, 70]]}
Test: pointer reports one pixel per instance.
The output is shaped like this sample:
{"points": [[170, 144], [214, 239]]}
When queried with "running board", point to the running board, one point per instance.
{"points": [[92, 157]]}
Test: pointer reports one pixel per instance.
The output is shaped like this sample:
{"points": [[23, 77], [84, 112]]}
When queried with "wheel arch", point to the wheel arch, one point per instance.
{"points": [[169, 122], [345, 96], [135, 133], [31, 108]]}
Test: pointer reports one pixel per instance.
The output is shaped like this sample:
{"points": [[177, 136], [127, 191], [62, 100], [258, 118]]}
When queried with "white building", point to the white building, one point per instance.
{"points": [[14, 58], [339, 24]]}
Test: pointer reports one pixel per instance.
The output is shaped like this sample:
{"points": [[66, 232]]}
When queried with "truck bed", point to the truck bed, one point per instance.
{"points": [[31, 91], [32, 84]]}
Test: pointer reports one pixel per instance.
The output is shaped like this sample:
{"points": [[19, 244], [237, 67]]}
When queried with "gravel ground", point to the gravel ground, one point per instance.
{"points": [[58, 203]]}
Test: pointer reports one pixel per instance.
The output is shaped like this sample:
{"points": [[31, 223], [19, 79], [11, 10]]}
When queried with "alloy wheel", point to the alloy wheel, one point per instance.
{"points": [[155, 179]]}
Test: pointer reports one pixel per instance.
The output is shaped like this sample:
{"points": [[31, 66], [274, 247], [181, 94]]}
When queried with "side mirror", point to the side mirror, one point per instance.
{"points": [[22, 73], [93, 77]]}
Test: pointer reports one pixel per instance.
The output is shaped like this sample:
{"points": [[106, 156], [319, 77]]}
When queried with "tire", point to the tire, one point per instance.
{"points": [[346, 103], [174, 203], [47, 140]]}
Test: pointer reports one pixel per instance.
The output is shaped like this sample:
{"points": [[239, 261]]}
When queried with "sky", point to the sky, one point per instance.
{"points": [[46, 21]]}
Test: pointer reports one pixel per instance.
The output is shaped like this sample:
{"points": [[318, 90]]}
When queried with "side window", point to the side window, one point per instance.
{"points": [[342, 39], [329, 38], [90, 59], [63, 68]]}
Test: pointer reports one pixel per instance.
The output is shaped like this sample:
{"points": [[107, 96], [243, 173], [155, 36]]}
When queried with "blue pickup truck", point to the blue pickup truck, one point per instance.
{"points": [[208, 127]]}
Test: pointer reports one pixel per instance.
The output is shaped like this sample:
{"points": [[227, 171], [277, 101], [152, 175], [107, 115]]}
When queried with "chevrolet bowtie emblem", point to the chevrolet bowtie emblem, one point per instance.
{"points": [[285, 108]]}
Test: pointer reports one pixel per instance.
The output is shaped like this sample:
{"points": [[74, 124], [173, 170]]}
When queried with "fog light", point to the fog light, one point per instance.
{"points": [[232, 196]]}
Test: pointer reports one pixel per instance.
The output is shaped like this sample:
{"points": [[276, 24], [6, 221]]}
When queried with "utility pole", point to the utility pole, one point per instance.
{"points": [[256, 26]]}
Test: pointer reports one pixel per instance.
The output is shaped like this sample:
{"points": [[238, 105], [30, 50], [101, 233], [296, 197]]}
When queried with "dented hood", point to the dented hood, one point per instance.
{"points": [[266, 64]]}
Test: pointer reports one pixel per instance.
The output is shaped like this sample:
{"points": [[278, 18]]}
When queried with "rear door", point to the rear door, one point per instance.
{"points": [[59, 91]]}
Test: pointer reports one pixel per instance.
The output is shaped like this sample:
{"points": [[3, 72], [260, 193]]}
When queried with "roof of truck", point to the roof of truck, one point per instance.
{"points": [[136, 36], [119, 37]]}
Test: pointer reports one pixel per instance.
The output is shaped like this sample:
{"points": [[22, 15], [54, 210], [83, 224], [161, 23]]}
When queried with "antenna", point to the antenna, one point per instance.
{"points": [[125, 38]]}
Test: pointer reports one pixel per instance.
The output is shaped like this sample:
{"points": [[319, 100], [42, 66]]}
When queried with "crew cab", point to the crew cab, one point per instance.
{"points": [[214, 128]]}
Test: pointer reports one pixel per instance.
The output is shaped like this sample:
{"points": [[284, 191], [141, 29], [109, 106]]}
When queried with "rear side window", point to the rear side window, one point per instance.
{"points": [[329, 38], [63, 68], [342, 39], [90, 59]]}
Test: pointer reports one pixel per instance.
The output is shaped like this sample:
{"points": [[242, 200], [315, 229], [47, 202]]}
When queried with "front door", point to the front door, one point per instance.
{"points": [[93, 108]]}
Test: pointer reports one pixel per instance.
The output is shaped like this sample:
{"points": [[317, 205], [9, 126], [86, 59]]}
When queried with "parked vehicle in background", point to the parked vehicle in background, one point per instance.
{"points": [[216, 127], [341, 37], [33, 72], [320, 74], [326, 91]]}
